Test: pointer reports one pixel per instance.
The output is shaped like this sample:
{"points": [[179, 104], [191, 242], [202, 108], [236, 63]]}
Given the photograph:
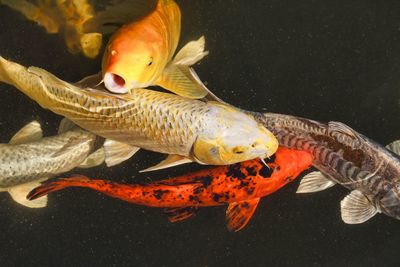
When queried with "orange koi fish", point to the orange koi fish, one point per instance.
{"points": [[240, 186], [140, 54]]}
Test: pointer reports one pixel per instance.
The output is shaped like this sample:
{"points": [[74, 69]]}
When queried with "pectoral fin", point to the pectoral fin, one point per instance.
{"points": [[394, 147], [314, 182], [170, 161], [117, 152], [180, 214], [191, 53], [65, 126], [19, 193], [182, 81], [90, 81], [29, 133], [94, 159], [356, 208], [239, 213]]}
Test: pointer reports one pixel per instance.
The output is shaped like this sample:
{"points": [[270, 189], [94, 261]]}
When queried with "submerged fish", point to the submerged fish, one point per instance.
{"points": [[66, 17], [347, 158], [30, 158], [140, 54], [189, 130], [240, 186]]}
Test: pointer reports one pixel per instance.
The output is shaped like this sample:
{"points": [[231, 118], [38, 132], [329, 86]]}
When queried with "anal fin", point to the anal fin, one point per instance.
{"points": [[180, 214], [314, 182], [239, 213], [19, 193]]}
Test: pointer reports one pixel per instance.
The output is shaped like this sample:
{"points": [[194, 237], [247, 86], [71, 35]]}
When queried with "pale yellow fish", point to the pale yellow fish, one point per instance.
{"points": [[188, 130], [30, 158]]}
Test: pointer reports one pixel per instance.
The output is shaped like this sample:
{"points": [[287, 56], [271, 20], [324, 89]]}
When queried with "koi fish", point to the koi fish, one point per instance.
{"points": [[188, 130], [140, 53], [30, 158], [239, 186], [345, 157], [66, 17]]}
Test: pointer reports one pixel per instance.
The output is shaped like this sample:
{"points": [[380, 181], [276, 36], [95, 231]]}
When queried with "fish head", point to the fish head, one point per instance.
{"points": [[231, 137], [389, 202], [130, 65]]}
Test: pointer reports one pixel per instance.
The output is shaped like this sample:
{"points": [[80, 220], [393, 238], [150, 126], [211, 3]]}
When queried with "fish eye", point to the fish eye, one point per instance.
{"points": [[150, 62], [237, 150]]}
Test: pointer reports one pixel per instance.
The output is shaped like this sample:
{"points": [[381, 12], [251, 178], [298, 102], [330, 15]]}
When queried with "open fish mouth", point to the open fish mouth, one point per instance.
{"points": [[115, 83]]}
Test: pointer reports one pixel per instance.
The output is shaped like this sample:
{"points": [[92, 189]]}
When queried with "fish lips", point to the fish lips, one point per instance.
{"points": [[115, 83]]}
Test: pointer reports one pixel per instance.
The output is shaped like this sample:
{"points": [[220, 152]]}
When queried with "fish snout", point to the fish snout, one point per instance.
{"points": [[115, 83]]}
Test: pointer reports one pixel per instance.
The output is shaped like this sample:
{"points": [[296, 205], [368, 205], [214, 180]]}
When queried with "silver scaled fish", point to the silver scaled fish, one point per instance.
{"points": [[186, 129], [30, 158], [345, 157]]}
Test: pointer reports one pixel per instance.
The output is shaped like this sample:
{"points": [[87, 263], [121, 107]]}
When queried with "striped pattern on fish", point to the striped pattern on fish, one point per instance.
{"points": [[344, 156]]}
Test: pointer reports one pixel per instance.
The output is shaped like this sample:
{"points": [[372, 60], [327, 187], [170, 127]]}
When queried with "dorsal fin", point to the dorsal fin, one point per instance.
{"points": [[394, 147], [29, 133]]}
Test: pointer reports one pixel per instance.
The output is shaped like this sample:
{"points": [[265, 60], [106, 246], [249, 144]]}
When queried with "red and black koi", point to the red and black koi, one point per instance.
{"points": [[240, 186]]}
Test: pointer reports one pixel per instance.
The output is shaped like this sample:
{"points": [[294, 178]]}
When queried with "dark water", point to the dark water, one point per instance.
{"points": [[326, 61]]}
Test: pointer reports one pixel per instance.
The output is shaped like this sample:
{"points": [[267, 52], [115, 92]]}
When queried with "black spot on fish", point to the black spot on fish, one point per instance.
{"points": [[198, 190], [249, 190], [271, 159], [216, 197], [266, 172], [245, 205], [235, 171], [194, 199], [205, 180], [251, 171], [159, 193]]}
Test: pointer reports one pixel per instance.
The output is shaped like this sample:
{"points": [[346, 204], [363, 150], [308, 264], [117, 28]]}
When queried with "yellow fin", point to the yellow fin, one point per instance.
{"points": [[19, 193], [29, 133], [117, 152], [239, 213], [191, 53], [182, 81], [118, 13], [170, 161], [94, 159]]}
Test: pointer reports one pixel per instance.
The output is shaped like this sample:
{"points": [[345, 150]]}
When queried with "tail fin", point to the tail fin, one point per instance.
{"points": [[57, 185], [4, 74]]}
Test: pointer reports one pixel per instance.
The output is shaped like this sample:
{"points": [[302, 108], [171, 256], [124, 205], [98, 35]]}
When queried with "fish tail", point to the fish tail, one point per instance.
{"points": [[57, 185], [5, 71]]}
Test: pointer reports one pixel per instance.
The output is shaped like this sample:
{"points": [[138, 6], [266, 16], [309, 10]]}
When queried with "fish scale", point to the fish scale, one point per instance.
{"points": [[22, 163], [346, 157]]}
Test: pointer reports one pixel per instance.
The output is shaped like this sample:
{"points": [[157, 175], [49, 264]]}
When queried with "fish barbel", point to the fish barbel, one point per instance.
{"points": [[205, 132], [29, 159], [240, 186], [345, 157]]}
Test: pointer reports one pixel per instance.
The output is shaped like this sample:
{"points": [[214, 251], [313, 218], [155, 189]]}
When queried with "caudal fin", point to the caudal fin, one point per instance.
{"points": [[4, 74], [57, 185]]}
